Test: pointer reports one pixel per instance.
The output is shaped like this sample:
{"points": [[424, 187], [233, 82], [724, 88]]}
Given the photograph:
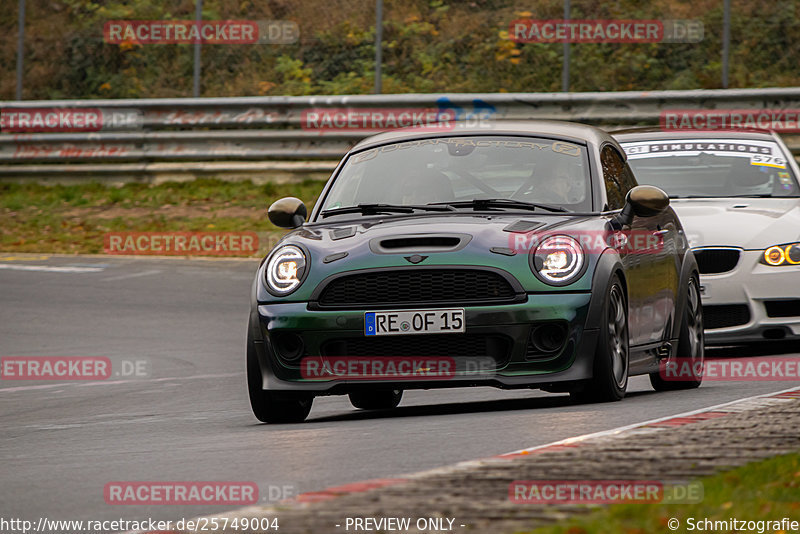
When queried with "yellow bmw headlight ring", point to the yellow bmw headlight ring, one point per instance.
{"points": [[779, 255]]}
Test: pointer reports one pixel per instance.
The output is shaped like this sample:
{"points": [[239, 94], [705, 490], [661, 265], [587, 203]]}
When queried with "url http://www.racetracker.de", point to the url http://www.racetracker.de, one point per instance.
{"points": [[70, 526]]}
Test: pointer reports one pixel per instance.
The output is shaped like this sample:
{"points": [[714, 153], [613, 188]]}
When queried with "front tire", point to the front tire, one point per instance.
{"points": [[691, 346], [271, 406], [376, 400], [612, 357]]}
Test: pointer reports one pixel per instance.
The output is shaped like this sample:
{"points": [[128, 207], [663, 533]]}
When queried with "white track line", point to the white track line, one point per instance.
{"points": [[92, 383], [466, 464], [132, 275], [617, 430], [48, 269]]}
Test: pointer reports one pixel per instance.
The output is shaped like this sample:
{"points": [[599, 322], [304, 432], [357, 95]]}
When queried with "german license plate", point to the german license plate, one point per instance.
{"points": [[398, 323]]}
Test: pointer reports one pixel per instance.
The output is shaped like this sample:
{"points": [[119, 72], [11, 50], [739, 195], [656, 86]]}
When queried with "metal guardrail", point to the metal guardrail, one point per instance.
{"points": [[243, 130]]}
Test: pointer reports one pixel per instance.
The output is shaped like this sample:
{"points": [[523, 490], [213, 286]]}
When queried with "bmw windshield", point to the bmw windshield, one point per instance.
{"points": [[713, 168], [549, 174]]}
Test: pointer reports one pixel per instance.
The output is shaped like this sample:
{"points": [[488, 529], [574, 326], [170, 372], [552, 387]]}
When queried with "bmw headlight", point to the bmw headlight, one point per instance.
{"points": [[781, 255], [285, 270], [558, 260]]}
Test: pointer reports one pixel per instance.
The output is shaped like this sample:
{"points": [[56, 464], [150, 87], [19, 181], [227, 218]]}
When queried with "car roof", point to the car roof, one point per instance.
{"points": [[654, 133], [545, 128]]}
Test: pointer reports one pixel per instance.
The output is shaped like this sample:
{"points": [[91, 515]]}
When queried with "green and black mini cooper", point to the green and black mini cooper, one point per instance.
{"points": [[516, 255]]}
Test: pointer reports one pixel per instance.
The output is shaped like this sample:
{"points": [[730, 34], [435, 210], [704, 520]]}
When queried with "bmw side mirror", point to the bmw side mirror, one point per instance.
{"points": [[289, 212], [642, 201]]}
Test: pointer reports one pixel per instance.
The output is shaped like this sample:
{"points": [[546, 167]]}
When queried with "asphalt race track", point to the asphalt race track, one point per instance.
{"points": [[189, 420]]}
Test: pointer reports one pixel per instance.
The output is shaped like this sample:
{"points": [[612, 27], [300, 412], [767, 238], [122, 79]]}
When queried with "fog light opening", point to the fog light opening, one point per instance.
{"points": [[549, 337], [774, 333], [288, 345]]}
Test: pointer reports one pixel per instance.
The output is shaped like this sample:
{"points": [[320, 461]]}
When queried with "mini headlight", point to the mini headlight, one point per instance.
{"points": [[558, 260], [285, 270], [780, 255]]}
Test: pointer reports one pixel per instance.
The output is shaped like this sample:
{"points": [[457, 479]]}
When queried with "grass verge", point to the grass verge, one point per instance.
{"points": [[767, 490], [74, 218]]}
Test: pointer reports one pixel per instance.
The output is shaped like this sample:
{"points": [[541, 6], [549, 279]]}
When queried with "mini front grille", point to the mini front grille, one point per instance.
{"points": [[725, 315], [459, 347], [716, 260], [783, 308], [417, 286]]}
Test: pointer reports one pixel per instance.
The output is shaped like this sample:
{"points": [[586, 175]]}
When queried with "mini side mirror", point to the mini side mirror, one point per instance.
{"points": [[642, 201], [647, 200], [289, 212]]}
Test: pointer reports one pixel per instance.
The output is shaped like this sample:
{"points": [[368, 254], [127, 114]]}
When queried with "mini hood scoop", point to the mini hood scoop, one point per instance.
{"points": [[413, 243]]}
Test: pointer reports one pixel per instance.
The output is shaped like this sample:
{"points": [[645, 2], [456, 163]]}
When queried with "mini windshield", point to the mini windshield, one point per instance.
{"points": [[692, 168], [462, 169]]}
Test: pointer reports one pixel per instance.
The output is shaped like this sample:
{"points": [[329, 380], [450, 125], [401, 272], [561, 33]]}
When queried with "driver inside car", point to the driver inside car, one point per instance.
{"points": [[561, 181]]}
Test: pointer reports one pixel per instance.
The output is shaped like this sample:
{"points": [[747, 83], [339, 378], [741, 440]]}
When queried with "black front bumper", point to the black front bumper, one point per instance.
{"points": [[511, 363]]}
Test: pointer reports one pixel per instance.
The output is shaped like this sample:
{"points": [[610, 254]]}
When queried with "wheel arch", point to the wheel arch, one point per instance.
{"points": [[607, 266], [688, 268]]}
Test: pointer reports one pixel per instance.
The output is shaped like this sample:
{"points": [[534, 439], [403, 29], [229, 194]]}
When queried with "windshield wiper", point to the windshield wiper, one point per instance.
{"points": [[485, 203], [374, 209]]}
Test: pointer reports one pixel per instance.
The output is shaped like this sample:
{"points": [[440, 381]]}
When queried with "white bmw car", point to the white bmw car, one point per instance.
{"points": [[737, 196]]}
